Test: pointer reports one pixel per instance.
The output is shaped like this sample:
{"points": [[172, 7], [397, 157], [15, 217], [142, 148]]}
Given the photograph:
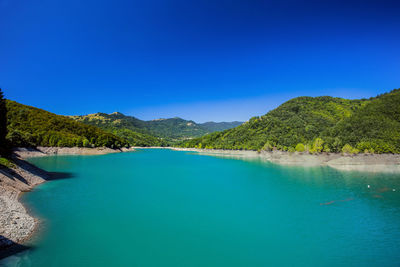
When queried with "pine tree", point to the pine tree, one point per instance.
{"points": [[3, 125]]}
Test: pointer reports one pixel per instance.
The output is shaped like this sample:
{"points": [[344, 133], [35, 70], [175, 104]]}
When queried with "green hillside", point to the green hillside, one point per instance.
{"points": [[375, 127], [167, 130], [29, 126], [127, 127], [317, 124]]}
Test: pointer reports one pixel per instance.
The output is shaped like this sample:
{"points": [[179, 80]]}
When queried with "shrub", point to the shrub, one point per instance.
{"points": [[317, 146], [326, 148], [85, 143], [307, 148], [348, 149], [300, 147], [267, 146]]}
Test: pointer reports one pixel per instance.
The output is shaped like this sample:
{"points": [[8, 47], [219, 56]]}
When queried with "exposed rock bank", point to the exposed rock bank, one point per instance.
{"points": [[360, 162], [43, 151]]}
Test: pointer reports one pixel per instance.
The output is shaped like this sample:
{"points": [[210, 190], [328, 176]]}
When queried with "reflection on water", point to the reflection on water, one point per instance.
{"points": [[317, 173]]}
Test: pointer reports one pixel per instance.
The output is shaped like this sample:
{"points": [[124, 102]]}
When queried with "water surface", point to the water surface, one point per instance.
{"points": [[170, 208]]}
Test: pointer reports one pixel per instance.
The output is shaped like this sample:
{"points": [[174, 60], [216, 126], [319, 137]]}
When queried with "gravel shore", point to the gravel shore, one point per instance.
{"points": [[16, 225]]}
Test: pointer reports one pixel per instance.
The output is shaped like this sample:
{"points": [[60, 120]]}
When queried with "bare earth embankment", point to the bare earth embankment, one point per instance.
{"points": [[16, 225], [389, 163]]}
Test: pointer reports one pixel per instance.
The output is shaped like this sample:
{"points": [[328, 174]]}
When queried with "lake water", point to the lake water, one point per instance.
{"points": [[167, 208]]}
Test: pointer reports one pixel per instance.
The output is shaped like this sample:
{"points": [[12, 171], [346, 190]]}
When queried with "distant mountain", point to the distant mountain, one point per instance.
{"points": [[317, 124], [171, 129], [29, 126]]}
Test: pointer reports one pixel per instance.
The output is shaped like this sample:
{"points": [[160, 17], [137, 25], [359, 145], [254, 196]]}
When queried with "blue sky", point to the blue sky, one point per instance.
{"points": [[200, 60]]}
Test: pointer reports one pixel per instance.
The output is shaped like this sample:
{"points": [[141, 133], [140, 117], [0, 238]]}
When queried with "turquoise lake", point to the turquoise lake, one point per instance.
{"points": [[158, 207]]}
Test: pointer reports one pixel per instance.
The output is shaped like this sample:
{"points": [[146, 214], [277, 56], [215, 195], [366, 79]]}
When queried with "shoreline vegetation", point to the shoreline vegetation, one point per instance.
{"points": [[17, 177]]}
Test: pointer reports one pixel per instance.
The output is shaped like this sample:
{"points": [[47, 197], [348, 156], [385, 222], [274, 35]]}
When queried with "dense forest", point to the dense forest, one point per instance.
{"points": [[166, 130], [317, 124], [29, 126]]}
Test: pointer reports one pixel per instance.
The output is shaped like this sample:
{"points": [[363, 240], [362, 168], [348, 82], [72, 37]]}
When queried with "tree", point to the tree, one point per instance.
{"points": [[268, 146], [86, 143], [317, 146], [3, 126], [300, 147], [327, 148], [348, 149]]}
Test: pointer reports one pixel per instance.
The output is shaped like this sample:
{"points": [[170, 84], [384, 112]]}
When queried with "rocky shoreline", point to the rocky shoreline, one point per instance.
{"points": [[388, 163], [16, 224], [23, 152]]}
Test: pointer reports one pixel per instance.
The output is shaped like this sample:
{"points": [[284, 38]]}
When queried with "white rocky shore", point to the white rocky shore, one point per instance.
{"points": [[388, 163], [44, 151], [16, 224]]}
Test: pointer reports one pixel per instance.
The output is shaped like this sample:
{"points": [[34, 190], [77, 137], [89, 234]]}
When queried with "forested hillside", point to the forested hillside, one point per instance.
{"points": [[29, 126], [375, 127], [317, 124], [167, 130], [127, 127]]}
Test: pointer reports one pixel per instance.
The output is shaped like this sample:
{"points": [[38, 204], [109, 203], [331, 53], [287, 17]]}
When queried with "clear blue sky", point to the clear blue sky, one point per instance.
{"points": [[200, 60]]}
